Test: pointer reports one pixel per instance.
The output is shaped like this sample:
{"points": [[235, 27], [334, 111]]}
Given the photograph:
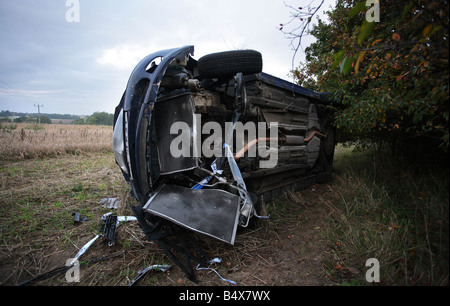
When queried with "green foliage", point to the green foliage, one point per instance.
{"points": [[79, 121], [391, 76], [100, 118], [46, 120], [97, 118], [20, 119]]}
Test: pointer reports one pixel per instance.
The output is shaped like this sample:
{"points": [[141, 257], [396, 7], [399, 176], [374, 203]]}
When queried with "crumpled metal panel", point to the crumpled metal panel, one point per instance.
{"points": [[212, 212]]}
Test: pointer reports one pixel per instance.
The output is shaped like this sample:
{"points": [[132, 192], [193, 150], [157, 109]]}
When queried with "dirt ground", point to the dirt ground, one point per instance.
{"points": [[293, 249], [290, 249], [286, 249]]}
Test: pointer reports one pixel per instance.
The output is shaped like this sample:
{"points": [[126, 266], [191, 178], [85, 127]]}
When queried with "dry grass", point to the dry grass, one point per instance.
{"points": [[372, 209], [47, 174], [24, 140], [387, 210], [37, 232]]}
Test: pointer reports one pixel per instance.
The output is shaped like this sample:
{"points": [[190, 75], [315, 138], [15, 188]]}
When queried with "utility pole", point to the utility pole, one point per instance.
{"points": [[39, 112]]}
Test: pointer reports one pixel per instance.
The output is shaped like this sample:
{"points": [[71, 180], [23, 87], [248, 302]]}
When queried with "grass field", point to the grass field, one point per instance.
{"points": [[25, 140], [374, 207], [392, 211]]}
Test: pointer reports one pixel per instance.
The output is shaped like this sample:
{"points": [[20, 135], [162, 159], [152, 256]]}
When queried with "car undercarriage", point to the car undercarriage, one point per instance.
{"points": [[205, 143]]}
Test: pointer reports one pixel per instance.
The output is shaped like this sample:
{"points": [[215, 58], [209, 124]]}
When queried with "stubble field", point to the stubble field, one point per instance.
{"points": [[24, 140]]}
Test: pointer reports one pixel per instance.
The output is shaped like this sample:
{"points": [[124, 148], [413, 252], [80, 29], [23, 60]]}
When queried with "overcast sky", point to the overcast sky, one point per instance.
{"points": [[83, 67]]}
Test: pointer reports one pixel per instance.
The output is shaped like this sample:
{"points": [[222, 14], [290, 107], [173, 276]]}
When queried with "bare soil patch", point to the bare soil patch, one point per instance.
{"points": [[286, 250]]}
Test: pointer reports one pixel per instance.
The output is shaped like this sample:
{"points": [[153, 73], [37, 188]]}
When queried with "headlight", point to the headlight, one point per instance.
{"points": [[119, 144]]}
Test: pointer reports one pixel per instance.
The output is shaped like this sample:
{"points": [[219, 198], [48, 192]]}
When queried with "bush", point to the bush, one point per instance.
{"points": [[390, 77], [100, 118]]}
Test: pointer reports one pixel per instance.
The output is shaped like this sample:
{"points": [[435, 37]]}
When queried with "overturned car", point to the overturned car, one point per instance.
{"points": [[203, 143]]}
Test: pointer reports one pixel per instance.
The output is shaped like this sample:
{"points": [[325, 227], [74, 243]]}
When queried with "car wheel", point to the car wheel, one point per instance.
{"points": [[229, 63]]}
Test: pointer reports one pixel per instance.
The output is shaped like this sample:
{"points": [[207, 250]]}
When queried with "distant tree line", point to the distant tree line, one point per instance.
{"points": [[29, 119], [97, 118], [7, 113]]}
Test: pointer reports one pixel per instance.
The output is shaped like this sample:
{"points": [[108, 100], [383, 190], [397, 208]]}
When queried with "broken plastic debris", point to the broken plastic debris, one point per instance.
{"points": [[120, 218], [216, 260], [111, 203], [141, 273], [77, 218], [108, 228], [87, 245], [84, 249], [126, 218]]}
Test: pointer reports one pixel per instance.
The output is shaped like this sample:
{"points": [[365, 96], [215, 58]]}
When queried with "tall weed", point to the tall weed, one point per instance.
{"points": [[390, 211]]}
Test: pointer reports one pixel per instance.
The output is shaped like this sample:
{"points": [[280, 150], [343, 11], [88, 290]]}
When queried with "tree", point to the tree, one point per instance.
{"points": [[20, 119], [6, 113], [100, 118], [45, 119], [79, 121], [391, 76]]}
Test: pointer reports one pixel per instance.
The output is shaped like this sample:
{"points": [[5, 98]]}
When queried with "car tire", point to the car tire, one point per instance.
{"points": [[229, 63]]}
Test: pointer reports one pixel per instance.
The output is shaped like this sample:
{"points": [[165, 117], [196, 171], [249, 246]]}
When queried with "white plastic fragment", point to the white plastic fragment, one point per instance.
{"points": [[126, 218], [162, 268], [141, 273], [216, 260], [111, 203], [84, 249]]}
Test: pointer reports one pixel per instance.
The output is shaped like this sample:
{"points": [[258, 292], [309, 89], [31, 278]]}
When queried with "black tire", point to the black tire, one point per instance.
{"points": [[229, 63]]}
